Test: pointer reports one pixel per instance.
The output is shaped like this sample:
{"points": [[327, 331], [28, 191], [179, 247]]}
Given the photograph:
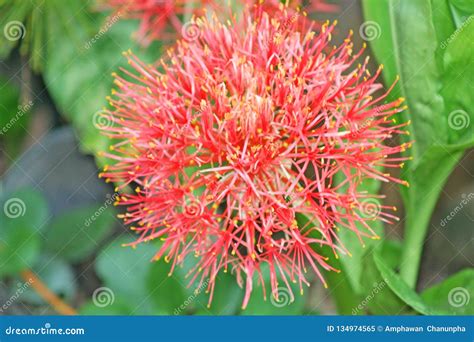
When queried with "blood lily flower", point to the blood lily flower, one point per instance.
{"points": [[241, 132]]}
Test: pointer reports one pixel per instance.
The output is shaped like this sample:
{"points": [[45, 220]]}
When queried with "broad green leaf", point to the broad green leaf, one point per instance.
{"points": [[125, 271], [378, 298], [24, 207], [21, 216], [76, 234], [19, 247], [454, 295], [401, 289], [165, 290], [226, 300], [458, 85]]}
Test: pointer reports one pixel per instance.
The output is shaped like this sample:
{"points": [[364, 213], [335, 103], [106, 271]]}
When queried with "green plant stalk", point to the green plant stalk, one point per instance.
{"points": [[419, 209]]}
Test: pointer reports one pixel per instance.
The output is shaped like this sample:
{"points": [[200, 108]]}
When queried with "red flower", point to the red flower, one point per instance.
{"points": [[240, 131]]}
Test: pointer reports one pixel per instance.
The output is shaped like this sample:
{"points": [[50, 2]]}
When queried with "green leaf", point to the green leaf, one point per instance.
{"points": [[401, 288], [85, 62], [226, 300], [435, 67], [25, 207], [458, 87], [76, 234], [454, 295], [378, 298], [125, 271], [166, 291]]}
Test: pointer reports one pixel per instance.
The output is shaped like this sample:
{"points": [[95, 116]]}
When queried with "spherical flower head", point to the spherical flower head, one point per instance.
{"points": [[241, 132]]}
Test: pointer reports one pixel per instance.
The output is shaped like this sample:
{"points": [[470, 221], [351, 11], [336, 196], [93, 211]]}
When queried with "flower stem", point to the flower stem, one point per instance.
{"points": [[45, 293]]}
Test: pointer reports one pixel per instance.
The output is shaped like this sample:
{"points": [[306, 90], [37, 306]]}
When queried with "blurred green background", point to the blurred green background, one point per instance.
{"points": [[58, 221]]}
